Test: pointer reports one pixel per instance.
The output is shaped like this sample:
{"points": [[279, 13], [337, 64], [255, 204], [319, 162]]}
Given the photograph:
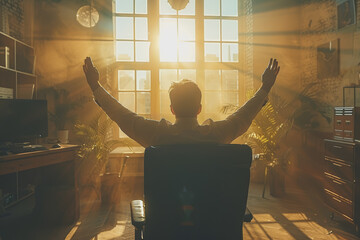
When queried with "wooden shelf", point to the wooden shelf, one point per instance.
{"points": [[21, 64], [19, 200], [7, 69], [27, 74], [14, 39]]}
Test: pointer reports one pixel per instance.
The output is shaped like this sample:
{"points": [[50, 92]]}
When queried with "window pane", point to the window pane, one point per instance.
{"points": [[212, 7], [143, 80], [164, 102], [230, 98], [168, 40], [141, 28], [230, 80], [189, 9], [127, 99], [187, 29], [124, 28], [212, 102], [126, 80], [141, 6], [229, 7], [143, 104], [212, 30], [212, 52], [189, 74], [212, 80], [142, 51], [230, 52], [124, 51], [167, 76], [165, 8], [124, 6], [229, 30], [187, 52]]}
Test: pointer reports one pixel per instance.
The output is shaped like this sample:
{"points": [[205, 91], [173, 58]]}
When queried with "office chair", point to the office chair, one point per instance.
{"points": [[193, 192]]}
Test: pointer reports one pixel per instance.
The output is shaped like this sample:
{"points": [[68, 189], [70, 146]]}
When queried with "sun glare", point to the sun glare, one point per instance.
{"points": [[168, 40], [177, 40]]}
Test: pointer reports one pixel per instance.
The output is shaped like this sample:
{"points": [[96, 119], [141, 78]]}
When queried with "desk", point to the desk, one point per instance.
{"points": [[57, 195]]}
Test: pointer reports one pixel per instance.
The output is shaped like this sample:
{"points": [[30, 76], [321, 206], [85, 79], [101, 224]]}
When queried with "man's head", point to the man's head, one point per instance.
{"points": [[185, 97]]}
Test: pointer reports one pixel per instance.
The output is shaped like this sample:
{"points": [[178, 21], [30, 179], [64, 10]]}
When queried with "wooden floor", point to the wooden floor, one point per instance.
{"points": [[296, 216]]}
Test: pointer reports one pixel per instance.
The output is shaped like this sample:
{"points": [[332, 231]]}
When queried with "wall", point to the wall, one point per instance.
{"points": [[276, 35], [12, 18], [292, 31], [318, 26], [61, 45]]}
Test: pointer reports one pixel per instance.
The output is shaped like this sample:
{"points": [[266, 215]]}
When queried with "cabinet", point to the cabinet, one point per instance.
{"points": [[342, 179], [57, 194], [19, 74]]}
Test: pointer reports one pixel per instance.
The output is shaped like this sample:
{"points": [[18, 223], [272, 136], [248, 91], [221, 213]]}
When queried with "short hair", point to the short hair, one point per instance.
{"points": [[185, 98]]}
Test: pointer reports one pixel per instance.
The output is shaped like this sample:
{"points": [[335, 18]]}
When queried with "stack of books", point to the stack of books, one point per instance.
{"points": [[6, 93]]}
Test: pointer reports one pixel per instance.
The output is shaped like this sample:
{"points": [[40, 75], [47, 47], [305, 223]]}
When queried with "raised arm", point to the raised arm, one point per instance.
{"points": [[241, 120], [136, 127]]}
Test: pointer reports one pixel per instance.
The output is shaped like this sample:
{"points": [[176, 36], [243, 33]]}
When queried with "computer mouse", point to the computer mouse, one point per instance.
{"points": [[57, 145]]}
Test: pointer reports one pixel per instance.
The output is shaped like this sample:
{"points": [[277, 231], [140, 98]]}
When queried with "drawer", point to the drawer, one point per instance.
{"points": [[343, 170], [340, 204], [348, 122], [348, 135], [339, 122], [339, 186], [338, 134], [339, 151]]}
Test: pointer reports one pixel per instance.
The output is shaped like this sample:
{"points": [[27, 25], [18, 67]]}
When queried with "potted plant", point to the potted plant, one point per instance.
{"points": [[273, 123], [96, 144], [267, 130]]}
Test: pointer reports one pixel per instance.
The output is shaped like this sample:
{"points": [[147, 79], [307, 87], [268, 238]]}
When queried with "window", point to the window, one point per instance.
{"points": [[132, 43], [200, 43], [221, 88], [221, 31]]}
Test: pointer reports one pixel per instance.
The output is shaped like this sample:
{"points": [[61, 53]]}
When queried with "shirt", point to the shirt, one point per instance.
{"points": [[149, 132]]}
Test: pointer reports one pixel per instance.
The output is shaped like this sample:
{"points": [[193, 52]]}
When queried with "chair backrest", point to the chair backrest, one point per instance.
{"points": [[196, 191]]}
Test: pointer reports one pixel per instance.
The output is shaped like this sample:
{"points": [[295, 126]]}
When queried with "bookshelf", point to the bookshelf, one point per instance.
{"points": [[17, 69]]}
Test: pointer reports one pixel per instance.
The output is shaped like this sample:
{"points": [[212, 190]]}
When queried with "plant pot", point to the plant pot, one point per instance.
{"points": [[110, 193], [63, 136], [276, 176]]}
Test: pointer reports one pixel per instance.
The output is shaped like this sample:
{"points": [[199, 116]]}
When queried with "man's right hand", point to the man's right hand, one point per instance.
{"points": [[270, 74], [91, 73]]}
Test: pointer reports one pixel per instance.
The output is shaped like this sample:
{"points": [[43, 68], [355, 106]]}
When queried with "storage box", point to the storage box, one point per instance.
{"points": [[347, 123], [6, 93]]}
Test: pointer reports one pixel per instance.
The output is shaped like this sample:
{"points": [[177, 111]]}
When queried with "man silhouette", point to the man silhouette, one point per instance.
{"points": [[185, 98]]}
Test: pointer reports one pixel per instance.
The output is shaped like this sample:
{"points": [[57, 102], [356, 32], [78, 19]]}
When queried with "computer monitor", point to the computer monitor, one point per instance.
{"points": [[22, 119]]}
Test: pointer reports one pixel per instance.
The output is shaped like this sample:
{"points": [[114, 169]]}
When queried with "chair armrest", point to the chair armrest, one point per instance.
{"points": [[137, 213], [248, 215]]}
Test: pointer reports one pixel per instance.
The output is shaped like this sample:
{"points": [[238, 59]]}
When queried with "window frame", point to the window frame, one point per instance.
{"points": [[200, 65]]}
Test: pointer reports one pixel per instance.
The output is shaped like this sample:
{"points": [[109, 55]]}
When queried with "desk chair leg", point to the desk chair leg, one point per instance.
{"points": [[248, 215], [138, 234]]}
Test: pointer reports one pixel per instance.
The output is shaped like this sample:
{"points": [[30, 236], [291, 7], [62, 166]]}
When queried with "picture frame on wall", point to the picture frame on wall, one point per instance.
{"points": [[328, 59], [346, 14]]}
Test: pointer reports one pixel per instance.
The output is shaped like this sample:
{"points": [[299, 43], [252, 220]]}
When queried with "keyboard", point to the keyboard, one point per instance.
{"points": [[29, 148]]}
